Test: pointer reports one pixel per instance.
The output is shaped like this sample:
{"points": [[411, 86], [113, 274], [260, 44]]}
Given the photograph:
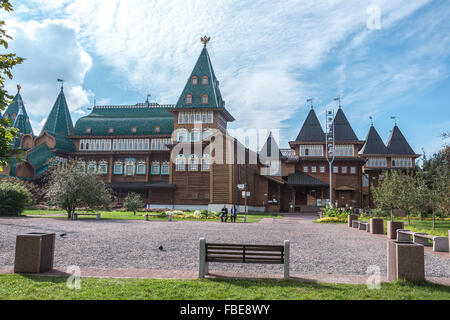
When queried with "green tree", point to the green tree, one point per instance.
{"points": [[14, 197], [133, 202], [70, 188], [7, 62], [387, 195]]}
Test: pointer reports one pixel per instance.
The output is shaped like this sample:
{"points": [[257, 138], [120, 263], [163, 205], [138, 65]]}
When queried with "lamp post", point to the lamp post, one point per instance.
{"points": [[330, 144]]}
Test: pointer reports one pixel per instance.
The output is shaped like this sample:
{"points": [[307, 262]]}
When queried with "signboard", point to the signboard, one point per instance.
{"points": [[241, 186], [243, 194]]}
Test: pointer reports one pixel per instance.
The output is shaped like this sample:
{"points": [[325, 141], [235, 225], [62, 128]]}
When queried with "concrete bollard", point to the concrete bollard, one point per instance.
{"points": [[202, 263], [97, 216], [402, 237], [34, 252], [146, 217], [392, 227], [440, 244], [376, 226], [405, 260], [350, 219], [170, 217], [74, 216], [287, 249]]}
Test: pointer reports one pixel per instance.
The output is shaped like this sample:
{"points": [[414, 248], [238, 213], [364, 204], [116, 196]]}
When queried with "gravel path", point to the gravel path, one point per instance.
{"points": [[315, 248]]}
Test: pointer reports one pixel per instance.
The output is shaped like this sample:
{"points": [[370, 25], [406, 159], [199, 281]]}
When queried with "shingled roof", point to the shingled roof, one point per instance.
{"points": [[270, 150], [59, 121], [397, 143], [20, 124], [303, 179], [342, 128], [13, 109], [311, 130], [373, 144], [122, 118], [203, 67]]}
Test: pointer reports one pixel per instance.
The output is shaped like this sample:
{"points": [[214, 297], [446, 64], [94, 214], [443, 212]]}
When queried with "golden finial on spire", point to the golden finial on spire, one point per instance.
{"points": [[18, 88], [205, 40]]}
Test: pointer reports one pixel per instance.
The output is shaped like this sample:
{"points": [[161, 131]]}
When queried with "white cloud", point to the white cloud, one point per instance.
{"points": [[265, 54], [51, 51]]}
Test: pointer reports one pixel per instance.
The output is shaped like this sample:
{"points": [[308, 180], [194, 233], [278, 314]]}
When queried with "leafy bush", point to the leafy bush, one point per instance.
{"points": [[330, 211], [14, 198], [376, 213]]}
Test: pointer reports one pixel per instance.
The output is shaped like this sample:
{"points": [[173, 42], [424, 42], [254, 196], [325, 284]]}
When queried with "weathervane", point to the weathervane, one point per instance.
{"points": [[205, 40], [371, 120], [395, 119], [338, 99], [62, 83], [18, 88], [310, 100]]}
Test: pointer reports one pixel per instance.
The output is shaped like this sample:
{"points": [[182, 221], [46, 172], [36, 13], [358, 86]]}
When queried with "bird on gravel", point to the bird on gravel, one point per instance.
{"points": [[62, 235], [161, 248]]}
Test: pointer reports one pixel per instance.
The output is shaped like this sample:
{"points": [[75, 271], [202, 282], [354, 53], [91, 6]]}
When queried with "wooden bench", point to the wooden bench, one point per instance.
{"points": [[440, 244], [75, 215], [355, 224], [242, 253]]}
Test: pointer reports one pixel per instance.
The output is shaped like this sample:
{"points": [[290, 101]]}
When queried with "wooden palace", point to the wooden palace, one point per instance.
{"points": [[181, 156]]}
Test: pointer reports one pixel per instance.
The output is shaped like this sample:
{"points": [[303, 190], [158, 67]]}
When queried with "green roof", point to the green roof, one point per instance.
{"points": [[203, 67], [20, 124], [145, 117], [39, 157], [59, 121], [14, 108]]}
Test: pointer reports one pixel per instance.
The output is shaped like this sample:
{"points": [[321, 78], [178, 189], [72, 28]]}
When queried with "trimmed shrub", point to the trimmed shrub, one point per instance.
{"points": [[332, 220], [14, 198]]}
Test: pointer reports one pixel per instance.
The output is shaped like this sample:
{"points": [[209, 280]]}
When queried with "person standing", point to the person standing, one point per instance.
{"points": [[224, 214], [233, 213]]}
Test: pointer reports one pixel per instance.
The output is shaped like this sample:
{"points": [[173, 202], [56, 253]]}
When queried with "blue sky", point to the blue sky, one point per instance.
{"points": [[268, 57]]}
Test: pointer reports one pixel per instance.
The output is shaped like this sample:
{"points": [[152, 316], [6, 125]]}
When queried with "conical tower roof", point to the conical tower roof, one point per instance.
{"points": [[342, 129], [13, 109], [59, 121], [270, 150], [397, 143], [20, 124], [311, 130], [202, 69], [373, 144]]}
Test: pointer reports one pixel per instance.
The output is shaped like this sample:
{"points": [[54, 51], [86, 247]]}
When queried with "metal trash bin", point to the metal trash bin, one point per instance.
{"points": [[34, 252], [405, 260]]}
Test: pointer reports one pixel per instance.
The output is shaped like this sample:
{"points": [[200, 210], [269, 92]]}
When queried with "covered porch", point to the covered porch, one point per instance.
{"points": [[306, 191]]}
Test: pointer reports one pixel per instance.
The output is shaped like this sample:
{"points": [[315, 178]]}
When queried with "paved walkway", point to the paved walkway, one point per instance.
{"points": [[120, 247]]}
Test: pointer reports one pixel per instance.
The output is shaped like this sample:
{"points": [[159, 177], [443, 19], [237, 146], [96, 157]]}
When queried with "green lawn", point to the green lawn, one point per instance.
{"points": [[417, 225], [127, 215], [41, 287]]}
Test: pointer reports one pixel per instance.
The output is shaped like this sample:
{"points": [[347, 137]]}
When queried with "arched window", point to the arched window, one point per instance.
{"points": [[141, 167], [180, 162], [205, 80], [82, 145], [206, 161], [193, 162], [165, 167], [194, 80], [92, 167], [195, 135], [130, 165], [81, 166], [118, 167], [103, 167], [155, 167], [188, 99], [205, 99], [182, 135]]}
